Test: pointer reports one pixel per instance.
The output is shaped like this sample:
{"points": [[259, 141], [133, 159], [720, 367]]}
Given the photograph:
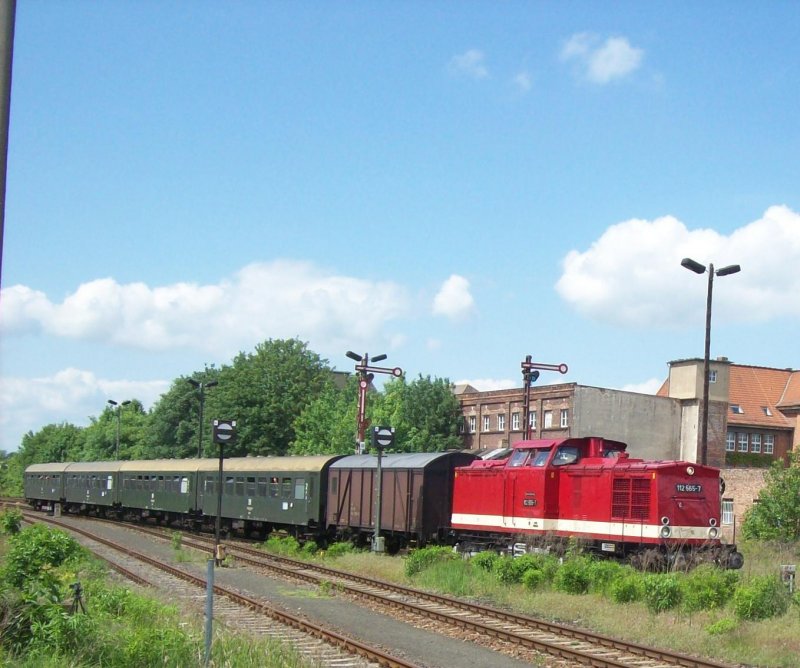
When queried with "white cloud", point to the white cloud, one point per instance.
{"points": [[631, 275], [490, 384], [650, 386], [469, 64], [602, 63], [71, 395], [454, 300], [522, 81], [279, 299]]}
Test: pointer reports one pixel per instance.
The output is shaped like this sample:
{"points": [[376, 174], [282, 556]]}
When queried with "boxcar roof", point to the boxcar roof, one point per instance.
{"points": [[405, 460], [312, 463], [93, 467], [150, 465], [57, 467]]}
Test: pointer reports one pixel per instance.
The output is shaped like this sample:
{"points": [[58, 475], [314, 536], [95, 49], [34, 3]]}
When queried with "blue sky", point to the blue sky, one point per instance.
{"points": [[457, 185]]}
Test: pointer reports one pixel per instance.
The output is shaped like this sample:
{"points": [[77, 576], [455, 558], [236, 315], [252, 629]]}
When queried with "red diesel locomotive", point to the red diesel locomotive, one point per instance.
{"points": [[652, 512]]}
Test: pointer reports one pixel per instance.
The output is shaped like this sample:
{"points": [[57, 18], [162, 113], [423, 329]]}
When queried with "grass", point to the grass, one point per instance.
{"points": [[772, 643]]}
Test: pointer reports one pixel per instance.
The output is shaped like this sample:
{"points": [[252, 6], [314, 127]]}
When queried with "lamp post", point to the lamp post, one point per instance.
{"points": [[118, 408], [202, 387], [698, 268]]}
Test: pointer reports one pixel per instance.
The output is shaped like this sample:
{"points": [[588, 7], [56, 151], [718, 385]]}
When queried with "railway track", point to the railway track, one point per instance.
{"points": [[321, 646], [569, 644]]}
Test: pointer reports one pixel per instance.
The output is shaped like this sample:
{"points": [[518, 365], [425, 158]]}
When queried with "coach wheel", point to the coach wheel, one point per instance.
{"points": [[735, 560]]}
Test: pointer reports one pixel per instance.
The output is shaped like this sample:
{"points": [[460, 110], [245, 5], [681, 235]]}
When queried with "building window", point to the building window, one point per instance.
{"points": [[737, 409], [532, 419], [730, 442], [769, 444], [727, 511], [742, 442], [712, 375], [755, 443], [767, 411], [487, 422], [548, 419], [501, 422], [515, 422], [564, 418], [472, 421]]}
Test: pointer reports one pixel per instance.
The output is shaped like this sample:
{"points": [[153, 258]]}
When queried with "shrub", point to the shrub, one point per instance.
{"points": [[35, 550], [627, 588], [421, 559], [11, 522], [574, 576], [285, 545], [505, 571], [485, 560], [309, 549], [661, 592], [708, 588], [763, 597], [340, 549], [721, 626], [603, 573], [533, 578]]}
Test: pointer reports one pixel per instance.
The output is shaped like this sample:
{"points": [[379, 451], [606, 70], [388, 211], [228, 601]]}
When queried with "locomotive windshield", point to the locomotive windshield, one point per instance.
{"points": [[529, 457]]}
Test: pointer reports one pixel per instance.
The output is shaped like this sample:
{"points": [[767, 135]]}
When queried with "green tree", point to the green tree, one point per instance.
{"points": [[425, 414], [173, 423], [328, 424], [776, 516], [265, 391], [52, 443]]}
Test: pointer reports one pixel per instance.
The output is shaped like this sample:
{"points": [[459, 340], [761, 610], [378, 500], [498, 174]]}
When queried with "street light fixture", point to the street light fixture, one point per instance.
{"points": [[698, 268], [117, 408], [202, 387]]}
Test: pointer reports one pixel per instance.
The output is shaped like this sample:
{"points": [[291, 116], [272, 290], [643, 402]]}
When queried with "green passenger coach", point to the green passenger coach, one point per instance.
{"points": [[260, 494], [165, 489]]}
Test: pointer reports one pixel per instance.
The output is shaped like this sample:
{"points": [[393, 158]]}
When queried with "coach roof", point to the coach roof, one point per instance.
{"points": [[267, 464]]}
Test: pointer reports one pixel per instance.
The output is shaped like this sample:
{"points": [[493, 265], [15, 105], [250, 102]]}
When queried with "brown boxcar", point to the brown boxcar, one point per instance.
{"points": [[416, 496]]}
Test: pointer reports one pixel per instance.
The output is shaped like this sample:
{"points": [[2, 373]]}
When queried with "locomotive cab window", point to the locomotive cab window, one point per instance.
{"points": [[541, 458], [519, 458], [566, 454]]}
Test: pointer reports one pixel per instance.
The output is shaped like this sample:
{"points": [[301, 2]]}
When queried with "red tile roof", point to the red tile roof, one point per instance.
{"points": [[759, 391]]}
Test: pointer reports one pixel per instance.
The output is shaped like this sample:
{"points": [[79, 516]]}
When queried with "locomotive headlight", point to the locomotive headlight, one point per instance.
{"points": [[690, 470], [712, 522], [665, 520], [666, 531], [713, 532]]}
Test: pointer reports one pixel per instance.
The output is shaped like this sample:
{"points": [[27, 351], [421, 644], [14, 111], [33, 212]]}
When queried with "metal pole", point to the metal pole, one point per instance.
{"points": [[219, 508], [209, 607], [8, 11], [200, 430], [706, 361], [377, 544], [119, 419]]}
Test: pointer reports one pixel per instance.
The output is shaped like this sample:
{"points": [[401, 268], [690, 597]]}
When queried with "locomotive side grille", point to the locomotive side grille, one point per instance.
{"points": [[620, 497], [630, 498]]}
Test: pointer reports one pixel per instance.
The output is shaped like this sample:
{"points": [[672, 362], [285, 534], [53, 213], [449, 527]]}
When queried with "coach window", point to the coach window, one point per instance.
{"points": [[262, 487], [229, 483], [274, 487], [286, 488], [110, 484], [184, 485], [239, 486], [210, 485], [299, 488], [251, 486]]}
